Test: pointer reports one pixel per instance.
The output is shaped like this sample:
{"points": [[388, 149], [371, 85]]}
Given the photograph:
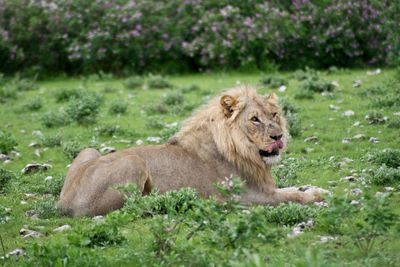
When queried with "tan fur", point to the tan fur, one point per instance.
{"points": [[222, 139]]}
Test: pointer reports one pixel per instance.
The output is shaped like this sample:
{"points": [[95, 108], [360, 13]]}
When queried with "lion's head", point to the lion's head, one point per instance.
{"points": [[256, 122]]}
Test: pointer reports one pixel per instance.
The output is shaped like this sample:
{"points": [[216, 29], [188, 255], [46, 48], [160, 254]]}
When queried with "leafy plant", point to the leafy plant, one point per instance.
{"points": [[53, 119], [316, 85], [51, 140], [5, 177], [109, 130], [158, 82], [72, 148], [173, 98], [85, 108], [46, 208], [7, 142], [64, 95], [34, 104], [118, 107], [394, 124], [390, 157], [289, 214], [384, 175], [133, 82], [273, 80]]}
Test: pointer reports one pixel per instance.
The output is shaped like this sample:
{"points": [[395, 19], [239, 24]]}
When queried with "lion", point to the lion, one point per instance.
{"points": [[238, 134]]}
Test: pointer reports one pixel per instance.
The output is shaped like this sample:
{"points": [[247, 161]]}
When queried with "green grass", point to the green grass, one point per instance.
{"points": [[137, 247]]}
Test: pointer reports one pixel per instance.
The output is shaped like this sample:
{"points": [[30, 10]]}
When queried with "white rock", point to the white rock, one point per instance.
{"points": [[396, 113], [33, 144], [356, 191], [374, 72], [37, 133], [48, 178], [23, 202], [359, 136], [346, 140], [4, 157], [350, 178], [139, 142], [357, 83], [98, 217], [388, 189], [171, 125], [63, 228], [355, 202], [357, 124], [311, 139], [34, 167], [334, 107], [107, 150], [335, 83], [153, 139], [374, 140], [282, 88], [324, 239], [29, 233], [17, 252], [348, 113]]}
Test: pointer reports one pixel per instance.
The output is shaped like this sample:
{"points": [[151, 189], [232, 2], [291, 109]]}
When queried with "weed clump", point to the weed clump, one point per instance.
{"points": [[158, 82], [51, 140], [46, 208], [23, 84], [154, 122], [394, 124], [72, 148], [64, 95], [273, 80], [383, 176], [291, 114], [390, 157], [190, 88], [109, 130], [306, 74], [118, 107], [5, 177], [317, 85], [85, 108], [34, 104], [375, 117], [133, 82], [53, 119], [173, 98], [7, 142], [289, 214]]}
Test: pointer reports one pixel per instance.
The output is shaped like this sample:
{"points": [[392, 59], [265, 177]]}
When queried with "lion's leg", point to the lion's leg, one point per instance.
{"points": [[130, 169], [282, 195]]}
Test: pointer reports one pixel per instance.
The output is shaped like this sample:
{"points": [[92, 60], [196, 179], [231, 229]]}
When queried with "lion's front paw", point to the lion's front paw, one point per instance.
{"points": [[313, 193]]}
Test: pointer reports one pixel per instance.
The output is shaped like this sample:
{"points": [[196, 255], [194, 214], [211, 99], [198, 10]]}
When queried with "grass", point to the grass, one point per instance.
{"points": [[126, 240]]}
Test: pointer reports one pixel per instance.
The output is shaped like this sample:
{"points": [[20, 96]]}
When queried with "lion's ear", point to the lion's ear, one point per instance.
{"points": [[273, 98], [228, 103]]}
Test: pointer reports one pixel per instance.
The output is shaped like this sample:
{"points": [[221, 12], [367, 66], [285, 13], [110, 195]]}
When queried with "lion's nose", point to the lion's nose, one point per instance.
{"points": [[276, 137]]}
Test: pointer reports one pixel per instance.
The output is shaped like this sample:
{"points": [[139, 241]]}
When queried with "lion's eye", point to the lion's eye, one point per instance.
{"points": [[274, 115], [254, 119]]}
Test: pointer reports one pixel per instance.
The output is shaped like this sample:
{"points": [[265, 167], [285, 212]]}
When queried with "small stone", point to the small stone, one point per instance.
{"points": [[63, 228], [346, 140], [348, 113], [335, 83], [334, 108], [107, 150], [98, 217], [37, 134], [388, 189], [34, 167], [282, 88], [4, 157], [48, 178], [356, 191], [321, 204], [311, 139], [324, 239], [396, 113], [17, 252], [33, 144], [357, 83], [359, 137], [354, 202], [374, 140], [154, 139], [139, 142], [374, 72], [357, 124], [29, 233], [350, 178], [172, 124], [15, 154], [308, 150], [37, 153]]}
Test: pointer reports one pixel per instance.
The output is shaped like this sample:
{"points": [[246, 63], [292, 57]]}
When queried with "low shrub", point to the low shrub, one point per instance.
{"points": [[303, 93], [7, 92], [118, 107], [23, 84], [51, 140], [287, 107], [286, 172], [109, 130], [390, 157], [189, 88], [306, 74], [64, 95], [84, 108], [34, 104], [273, 80], [157, 108], [383, 176], [158, 82], [46, 208], [294, 123], [316, 85], [154, 122], [5, 177], [394, 124], [7, 142], [173, 98], [72, 148], [133, 82], [97, 234], [53, 119], [289, 214], [375, 117]]}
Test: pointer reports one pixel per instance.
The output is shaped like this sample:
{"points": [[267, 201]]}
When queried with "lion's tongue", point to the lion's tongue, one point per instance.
{"points": [[275, 146]]}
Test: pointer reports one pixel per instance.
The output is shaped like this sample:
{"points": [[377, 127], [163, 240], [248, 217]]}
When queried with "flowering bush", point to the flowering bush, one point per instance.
{"points": [[127, 35]]}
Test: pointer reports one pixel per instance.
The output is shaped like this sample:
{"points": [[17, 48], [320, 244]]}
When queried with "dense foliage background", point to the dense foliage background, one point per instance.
{"points": [[82, 36]]}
